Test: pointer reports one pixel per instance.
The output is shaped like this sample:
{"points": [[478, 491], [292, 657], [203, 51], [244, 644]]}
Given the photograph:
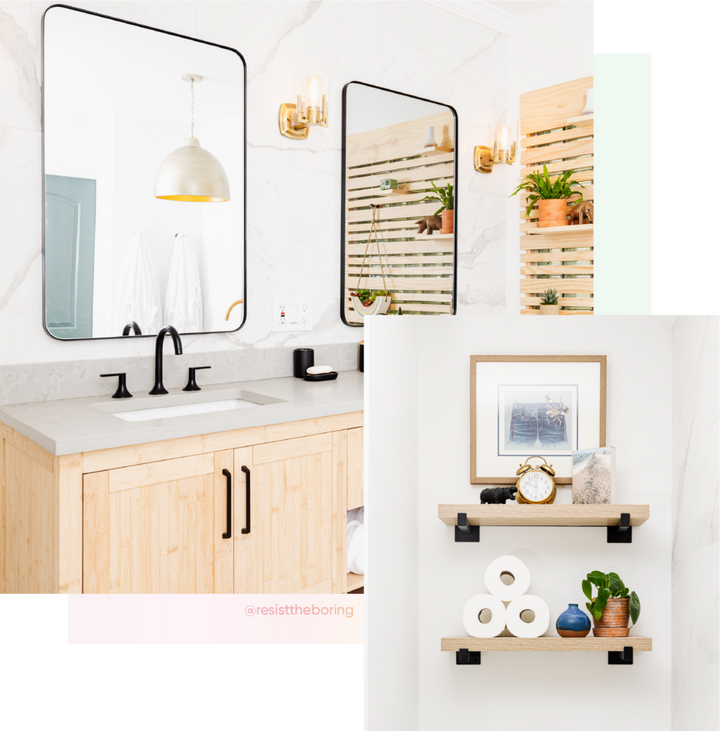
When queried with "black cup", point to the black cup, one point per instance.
{"points": [[361, 357], [303, 358]]}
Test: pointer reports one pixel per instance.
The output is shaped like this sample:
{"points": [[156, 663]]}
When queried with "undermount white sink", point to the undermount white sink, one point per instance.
{"points": [[163, 412]]}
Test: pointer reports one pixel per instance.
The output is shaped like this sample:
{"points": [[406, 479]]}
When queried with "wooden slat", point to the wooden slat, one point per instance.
{"points": [[432, 284], [560, 151], [573, 286], [560, 270], [560, 167], [406, 247], [127, 478], [561, 135], [382, 169], [354, 582], [557, 256], [392, 213], [291, 448], [414, 177], [548, 241], [360, 203], [551, 107], [410, 271], [400, 140], [416, 297], [402, 260], [562, 312], [577, 230]]}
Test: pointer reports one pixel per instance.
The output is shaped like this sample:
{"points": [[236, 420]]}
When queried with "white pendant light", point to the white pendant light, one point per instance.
{"points": [[191, 173]]}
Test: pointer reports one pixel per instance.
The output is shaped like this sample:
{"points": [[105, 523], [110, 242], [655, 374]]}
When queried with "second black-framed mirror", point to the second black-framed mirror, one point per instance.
{"points": [[399, 206]]}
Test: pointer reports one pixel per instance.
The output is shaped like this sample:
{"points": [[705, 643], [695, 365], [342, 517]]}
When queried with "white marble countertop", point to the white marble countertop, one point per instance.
{"points": [[86, 424]]}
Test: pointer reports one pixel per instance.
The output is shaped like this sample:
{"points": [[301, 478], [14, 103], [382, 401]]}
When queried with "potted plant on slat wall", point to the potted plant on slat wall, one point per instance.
{"points": [[447, 198], [551, 196]]}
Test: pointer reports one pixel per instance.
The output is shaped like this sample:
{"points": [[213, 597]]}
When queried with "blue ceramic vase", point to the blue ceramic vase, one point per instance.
{"points": [[573, 622]]}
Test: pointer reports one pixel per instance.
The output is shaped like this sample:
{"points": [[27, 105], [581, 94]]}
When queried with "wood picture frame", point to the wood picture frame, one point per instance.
{"points": [[581, 379]]}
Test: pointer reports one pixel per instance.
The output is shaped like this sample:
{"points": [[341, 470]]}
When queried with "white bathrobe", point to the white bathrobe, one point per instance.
{"points": [[183, 297], [140, 292]]}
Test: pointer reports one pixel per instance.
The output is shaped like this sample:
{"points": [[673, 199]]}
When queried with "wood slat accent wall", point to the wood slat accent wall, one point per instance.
{"points": [[559, 259], [419, 273]]}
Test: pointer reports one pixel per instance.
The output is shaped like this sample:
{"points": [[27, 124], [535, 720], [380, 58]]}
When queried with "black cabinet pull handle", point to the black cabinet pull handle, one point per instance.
{"points": [[228, 532], [246, 529]]}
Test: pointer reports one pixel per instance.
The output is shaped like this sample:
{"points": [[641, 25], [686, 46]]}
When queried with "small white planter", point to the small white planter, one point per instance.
{"points": [[379, 307]]}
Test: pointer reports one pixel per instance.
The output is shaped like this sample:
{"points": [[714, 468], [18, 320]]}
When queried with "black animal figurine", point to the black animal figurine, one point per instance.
{"points": [[497, 495]]}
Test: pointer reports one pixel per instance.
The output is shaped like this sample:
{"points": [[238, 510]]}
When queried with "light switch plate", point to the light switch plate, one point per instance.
{"points": [[292, 314]]}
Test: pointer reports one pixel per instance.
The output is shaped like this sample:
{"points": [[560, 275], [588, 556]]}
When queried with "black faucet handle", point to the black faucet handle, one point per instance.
{"points": [[122, 391], [191, 384]]}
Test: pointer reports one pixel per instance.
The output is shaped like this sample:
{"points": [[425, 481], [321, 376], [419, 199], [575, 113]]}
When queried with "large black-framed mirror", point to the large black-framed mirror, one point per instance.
{"points": [[144, 180], [397, 256]]}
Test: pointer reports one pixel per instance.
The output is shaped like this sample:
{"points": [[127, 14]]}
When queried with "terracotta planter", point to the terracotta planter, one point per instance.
{"points": [[448, 218], [549, 309], [552, 212], [614, 620]]}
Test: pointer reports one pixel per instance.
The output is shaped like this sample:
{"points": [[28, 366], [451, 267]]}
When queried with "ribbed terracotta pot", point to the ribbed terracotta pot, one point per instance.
{"points": [[448, 218], [614, 620], [552, 212]]}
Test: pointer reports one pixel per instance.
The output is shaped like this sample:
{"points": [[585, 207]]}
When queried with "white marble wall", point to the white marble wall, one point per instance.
{"points": [[293, 187], [696, 526]]}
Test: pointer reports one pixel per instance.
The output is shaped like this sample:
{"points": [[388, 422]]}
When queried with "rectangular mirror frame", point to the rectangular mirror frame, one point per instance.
{"points": [[343, 193], [244, 165]]}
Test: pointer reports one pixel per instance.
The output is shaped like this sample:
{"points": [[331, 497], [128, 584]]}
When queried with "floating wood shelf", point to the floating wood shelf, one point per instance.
{"points": [[546, 644], [620, 650], [579, 121], [433, 151], [400, 190], [585, 228], [355, 581], [617, 519], [436, 236], [549, 515]]}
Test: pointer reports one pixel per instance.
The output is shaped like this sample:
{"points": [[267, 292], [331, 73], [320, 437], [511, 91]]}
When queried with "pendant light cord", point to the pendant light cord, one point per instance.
{"points": [[192, 107]]}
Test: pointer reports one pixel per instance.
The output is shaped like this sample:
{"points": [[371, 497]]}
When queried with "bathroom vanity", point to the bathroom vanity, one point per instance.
{"points": [[121, 496]]}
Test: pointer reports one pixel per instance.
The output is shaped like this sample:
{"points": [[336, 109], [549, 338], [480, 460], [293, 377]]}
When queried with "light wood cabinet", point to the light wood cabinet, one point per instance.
{"points": [[355, 468], [153, 518]]}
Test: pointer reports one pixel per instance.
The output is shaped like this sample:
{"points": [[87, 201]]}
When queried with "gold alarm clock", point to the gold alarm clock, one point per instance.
{"points": [[535, 485]]}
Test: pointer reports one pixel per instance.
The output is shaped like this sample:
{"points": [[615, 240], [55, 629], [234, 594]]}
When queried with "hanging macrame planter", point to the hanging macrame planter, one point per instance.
{"points": [[381, 303]]}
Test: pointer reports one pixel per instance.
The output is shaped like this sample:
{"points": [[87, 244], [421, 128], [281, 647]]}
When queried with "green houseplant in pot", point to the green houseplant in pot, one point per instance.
{"points": [[549, 302], [613, 605], [447, 198], [551, 196]]}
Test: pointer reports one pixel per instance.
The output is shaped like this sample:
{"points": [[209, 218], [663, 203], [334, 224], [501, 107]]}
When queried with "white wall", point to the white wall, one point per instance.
{"points": [[563, 689], [293, 212], [549, 46], [696, 526]]}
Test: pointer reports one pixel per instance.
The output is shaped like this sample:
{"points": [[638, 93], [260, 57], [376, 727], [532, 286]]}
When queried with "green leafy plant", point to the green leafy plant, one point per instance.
{"points": [[367, 297], [445, 196], [608, 585], [549, 297], [541, 187]]}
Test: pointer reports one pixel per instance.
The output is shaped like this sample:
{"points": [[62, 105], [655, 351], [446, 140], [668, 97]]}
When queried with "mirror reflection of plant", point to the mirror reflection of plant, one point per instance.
{"points": [[445, 196], [541, 187], [367, 296], [608, 586]]}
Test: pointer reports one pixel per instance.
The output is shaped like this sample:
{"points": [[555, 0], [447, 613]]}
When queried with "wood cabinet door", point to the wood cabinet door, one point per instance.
{"points": [[293, 542], [157, 527]]}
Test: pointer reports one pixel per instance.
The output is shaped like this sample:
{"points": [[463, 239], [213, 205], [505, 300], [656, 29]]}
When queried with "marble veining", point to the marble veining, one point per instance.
{"points": [[293, 187]]}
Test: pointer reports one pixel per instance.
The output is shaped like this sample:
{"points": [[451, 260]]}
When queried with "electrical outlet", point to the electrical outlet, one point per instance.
{"points": [[292, 314]]}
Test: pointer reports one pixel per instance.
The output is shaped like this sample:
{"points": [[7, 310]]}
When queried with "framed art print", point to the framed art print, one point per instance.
{"points": [[523, 406]]}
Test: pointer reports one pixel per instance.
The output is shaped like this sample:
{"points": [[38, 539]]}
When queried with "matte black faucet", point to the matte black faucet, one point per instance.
{"points": [[167, 330], [132, 325]]}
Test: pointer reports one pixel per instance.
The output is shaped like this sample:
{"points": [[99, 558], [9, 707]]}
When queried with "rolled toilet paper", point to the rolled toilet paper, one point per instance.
{"points": [[518, 626], [515, 568], [471, 616]]}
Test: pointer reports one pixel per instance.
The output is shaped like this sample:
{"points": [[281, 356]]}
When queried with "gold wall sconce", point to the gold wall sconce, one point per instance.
{"points": [[502, 152], [295, 120]]}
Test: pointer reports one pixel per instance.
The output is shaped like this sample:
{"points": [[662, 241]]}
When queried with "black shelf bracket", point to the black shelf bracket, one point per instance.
{"points": [[624, 657], [465, 533], [621, 533], [467, 657]]}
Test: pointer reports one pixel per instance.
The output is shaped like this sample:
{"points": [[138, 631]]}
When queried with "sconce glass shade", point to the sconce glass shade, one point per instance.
{"points": [[192, 174], [314, 89]]}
